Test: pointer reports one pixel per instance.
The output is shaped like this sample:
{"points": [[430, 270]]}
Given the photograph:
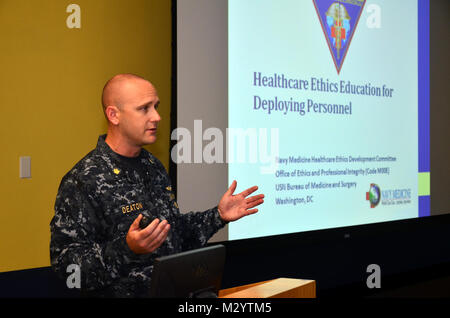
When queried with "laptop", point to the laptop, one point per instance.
{"points": [[191, 274]]}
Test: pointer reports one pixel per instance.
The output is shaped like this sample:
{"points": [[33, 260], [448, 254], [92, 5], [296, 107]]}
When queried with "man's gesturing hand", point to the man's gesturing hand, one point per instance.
{"points": [[233, 207], [143, 241]]}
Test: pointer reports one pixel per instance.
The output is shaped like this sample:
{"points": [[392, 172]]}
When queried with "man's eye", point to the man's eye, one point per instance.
{"points": [[156, 106]]}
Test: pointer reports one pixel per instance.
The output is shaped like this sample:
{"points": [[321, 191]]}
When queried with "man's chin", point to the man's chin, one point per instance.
{"points": [[149, 140]]}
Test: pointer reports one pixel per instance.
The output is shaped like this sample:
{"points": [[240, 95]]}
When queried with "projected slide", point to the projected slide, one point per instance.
{"points": [[325, 107]]}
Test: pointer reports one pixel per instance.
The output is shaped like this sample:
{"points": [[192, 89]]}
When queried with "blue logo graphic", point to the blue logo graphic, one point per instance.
{"points": [[373, 195]]}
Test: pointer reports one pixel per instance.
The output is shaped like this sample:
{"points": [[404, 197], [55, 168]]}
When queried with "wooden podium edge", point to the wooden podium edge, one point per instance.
{"points": [[275, 288]]}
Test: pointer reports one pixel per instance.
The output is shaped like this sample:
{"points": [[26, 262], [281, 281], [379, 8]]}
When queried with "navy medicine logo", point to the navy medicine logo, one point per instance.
{"points": [[339, 20], [373, 195]]}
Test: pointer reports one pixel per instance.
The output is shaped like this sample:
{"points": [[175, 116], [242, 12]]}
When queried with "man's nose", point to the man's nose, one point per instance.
{"points": [[155, 117]]}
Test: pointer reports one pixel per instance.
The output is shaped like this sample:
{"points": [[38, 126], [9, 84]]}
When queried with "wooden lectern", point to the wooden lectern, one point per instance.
{"points": [[275, 288]]}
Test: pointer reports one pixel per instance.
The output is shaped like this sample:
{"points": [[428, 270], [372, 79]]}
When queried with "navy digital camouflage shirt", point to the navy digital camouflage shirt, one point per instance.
{"points": [[97, 201]]}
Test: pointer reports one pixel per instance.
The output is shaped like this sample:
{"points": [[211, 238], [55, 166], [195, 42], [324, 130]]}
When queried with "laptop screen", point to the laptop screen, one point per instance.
{"points": [[194, 273]]}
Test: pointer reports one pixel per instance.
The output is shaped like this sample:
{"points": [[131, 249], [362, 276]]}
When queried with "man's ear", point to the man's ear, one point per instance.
{"points": [[113, 114]]}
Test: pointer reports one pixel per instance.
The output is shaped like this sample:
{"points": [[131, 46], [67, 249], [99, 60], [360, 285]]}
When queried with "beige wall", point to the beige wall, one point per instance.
{"points": [[51, 79]]}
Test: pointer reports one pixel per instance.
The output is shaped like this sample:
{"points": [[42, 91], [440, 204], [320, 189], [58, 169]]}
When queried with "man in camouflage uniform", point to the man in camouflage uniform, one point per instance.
{"points": [[102, 199]]}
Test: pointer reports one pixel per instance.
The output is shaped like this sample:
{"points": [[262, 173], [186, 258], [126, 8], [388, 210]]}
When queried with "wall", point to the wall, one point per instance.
{"points": [[50, 87], [202, 39], [439, 110]]}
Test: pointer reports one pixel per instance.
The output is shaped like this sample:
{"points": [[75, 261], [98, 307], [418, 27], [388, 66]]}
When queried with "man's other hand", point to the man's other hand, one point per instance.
{"points": [[233, 207], [143, 241]]}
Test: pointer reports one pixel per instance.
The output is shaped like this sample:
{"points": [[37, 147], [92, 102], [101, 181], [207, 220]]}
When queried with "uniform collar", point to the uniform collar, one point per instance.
{"points": [[104, 149]]}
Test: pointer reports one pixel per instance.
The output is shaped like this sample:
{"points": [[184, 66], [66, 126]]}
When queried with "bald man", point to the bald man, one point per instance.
{"points": [[103, 198]]}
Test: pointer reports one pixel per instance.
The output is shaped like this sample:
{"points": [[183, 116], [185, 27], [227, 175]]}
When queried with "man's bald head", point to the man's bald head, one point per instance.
{"points": [[130, 104], [115, 90]]}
